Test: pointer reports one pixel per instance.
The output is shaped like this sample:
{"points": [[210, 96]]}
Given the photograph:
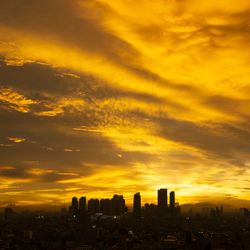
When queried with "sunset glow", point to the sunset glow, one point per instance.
{"points": [[119, 96]]}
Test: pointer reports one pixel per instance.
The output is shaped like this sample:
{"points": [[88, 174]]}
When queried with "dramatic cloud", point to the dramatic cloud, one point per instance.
{"points": [[97, 99]]}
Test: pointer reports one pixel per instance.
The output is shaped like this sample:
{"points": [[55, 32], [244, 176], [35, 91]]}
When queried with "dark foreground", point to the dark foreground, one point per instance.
{"points": [[27, 230]]}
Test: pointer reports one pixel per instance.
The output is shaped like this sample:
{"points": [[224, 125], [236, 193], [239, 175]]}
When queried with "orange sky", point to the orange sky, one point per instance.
{"points": [[119, 96]]}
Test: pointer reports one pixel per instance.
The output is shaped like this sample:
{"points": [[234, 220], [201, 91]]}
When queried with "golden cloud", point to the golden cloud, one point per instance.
{"points": [[150, 97]]}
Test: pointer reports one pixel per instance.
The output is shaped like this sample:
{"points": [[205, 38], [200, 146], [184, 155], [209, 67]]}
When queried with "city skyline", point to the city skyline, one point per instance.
{"points": [[97, 99], [109, 224], [164, 201]]}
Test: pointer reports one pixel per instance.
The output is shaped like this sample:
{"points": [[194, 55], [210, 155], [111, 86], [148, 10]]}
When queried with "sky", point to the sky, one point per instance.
{"points": [[118, 96]]}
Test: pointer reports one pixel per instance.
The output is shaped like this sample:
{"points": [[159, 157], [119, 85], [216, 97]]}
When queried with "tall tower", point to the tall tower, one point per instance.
{"points": [[118, 204], [172, 199], [74, 203], [74, 206], [137, 205], [172, 203], [105, 206], [82, 204], [163, 199], [93, 206]]}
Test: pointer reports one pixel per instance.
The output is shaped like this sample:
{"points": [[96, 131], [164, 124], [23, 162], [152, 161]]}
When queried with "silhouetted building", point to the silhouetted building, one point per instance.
{"points": [[149, 209], [82, 204], [118, 205], [172, 202], [137, 205], [163, 199], [93, 206], [74, 206], [74, 203], [172, 199], [105, 206]]}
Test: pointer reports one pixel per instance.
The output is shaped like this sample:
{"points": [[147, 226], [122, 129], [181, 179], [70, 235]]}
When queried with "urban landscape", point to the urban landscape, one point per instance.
{"points": [[124, 125], [109, 224]]}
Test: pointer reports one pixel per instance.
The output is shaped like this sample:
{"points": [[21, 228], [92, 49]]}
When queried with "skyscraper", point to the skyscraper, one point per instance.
{"points": [[163, 198], [172, 202], [137, 205], [105, 206], [82, 204], [74, 206], [172, 199], [74, 203], [93, 206], [118, 204]]}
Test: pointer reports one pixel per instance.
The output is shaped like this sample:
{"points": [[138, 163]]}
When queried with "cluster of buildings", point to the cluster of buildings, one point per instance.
{"points": [[117, 205], [114, 206], [104, 224]]}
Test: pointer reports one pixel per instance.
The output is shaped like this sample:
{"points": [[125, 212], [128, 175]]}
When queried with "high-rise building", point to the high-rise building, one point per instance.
{"points": [[137, 205], [163, 199], [172, 199], [83, 216], [74, 203], [82, 204], [93, 206], [74, 206], [172, 202], [105, 206], [118, 205]]}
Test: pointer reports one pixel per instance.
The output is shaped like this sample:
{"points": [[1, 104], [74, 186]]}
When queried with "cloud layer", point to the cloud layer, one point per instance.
{"points": [[97, 99]]}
